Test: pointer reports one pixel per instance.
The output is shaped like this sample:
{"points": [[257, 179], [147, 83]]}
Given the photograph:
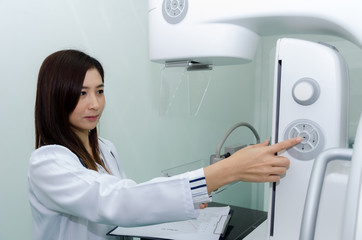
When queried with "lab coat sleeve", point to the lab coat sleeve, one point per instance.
{"points": [[196, 178], [61, 184]]}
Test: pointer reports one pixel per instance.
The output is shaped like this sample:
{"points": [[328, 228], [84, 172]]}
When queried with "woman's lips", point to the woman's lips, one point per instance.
{"points": [[92, 118]]}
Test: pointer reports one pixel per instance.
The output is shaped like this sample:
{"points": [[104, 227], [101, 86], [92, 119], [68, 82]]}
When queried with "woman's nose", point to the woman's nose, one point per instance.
{"points": [[93, 102]]}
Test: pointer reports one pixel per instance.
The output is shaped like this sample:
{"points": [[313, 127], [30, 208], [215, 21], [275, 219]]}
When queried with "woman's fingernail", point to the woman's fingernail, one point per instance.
{"points": [[299, 139]]}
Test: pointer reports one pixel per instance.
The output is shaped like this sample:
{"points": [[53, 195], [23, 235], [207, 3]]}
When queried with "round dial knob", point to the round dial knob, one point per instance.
{"points": [[313, 140], [306, 91], [174, 11]]}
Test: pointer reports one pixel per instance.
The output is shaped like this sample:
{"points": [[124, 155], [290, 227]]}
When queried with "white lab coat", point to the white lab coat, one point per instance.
{"points": [[69, 201]]}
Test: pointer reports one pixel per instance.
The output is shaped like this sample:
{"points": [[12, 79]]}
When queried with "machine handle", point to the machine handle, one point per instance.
{"points": [[353, 214], [315, 188]]}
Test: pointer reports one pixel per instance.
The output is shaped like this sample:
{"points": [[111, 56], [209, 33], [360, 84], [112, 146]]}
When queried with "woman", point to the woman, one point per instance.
{"points": [[77, 190]]}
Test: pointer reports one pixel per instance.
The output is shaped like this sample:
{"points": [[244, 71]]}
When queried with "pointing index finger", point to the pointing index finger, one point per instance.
{"points": [[285, 144]]}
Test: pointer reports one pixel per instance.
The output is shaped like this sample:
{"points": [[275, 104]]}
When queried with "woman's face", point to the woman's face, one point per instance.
{"points": [[90, 105]]}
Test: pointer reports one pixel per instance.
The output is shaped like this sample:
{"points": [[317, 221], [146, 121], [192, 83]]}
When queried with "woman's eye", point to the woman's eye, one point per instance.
{"points": [[82, 93], [101, 91]]}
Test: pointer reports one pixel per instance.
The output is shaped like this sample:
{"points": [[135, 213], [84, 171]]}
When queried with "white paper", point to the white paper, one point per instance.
{"points": [[208, 226]]}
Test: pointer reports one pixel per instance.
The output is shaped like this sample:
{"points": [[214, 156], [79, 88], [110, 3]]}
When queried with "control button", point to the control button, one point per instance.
{"points": [[174, 4], [168, 5], [181, 4], [175, 12], [312, 143], [306, 91]]}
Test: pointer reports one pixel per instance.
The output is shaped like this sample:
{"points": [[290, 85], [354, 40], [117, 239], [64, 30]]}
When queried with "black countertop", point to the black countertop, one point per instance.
{"points": [[243, 221]]}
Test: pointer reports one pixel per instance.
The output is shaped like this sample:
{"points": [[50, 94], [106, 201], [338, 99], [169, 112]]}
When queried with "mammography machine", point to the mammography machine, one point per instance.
{"points": [[310, 98], [304, 90]]}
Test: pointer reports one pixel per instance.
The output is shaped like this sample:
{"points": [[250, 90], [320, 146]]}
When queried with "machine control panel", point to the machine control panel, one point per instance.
{"points": [[312, 143], [174, 11]]}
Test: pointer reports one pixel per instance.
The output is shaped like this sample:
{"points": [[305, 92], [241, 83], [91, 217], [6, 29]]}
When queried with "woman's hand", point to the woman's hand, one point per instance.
{"points": [[255, 163], [203, 205]]}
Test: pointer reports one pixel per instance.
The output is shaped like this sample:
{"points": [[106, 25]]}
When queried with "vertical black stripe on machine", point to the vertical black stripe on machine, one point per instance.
{"points": [[276, 137]]}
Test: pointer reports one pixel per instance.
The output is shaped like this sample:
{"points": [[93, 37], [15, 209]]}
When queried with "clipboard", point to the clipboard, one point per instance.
{"points": [[210, 225]]}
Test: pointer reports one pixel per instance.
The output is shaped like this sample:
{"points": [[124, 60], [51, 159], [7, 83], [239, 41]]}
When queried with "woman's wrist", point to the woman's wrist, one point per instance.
{"points": [[217, 175]]}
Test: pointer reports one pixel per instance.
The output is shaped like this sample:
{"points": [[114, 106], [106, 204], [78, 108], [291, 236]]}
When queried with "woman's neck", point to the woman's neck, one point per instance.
{"points": [[84, 138]]}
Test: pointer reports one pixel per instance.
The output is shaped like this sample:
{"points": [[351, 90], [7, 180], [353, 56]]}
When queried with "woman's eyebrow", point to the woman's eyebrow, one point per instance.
{"points": [[99, 86]]}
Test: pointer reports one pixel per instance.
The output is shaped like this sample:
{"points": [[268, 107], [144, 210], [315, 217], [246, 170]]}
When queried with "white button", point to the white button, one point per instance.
{"points": [[303, 91], [306, 91]]}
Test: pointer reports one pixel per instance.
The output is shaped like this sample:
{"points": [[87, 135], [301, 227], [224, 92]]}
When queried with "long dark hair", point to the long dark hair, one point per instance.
{"points": [[60, 82]]}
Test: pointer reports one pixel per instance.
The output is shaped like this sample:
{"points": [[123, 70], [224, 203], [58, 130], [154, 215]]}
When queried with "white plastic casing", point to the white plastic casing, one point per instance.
{"points": [[352, 220], [325, 118], [227, 32]]}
